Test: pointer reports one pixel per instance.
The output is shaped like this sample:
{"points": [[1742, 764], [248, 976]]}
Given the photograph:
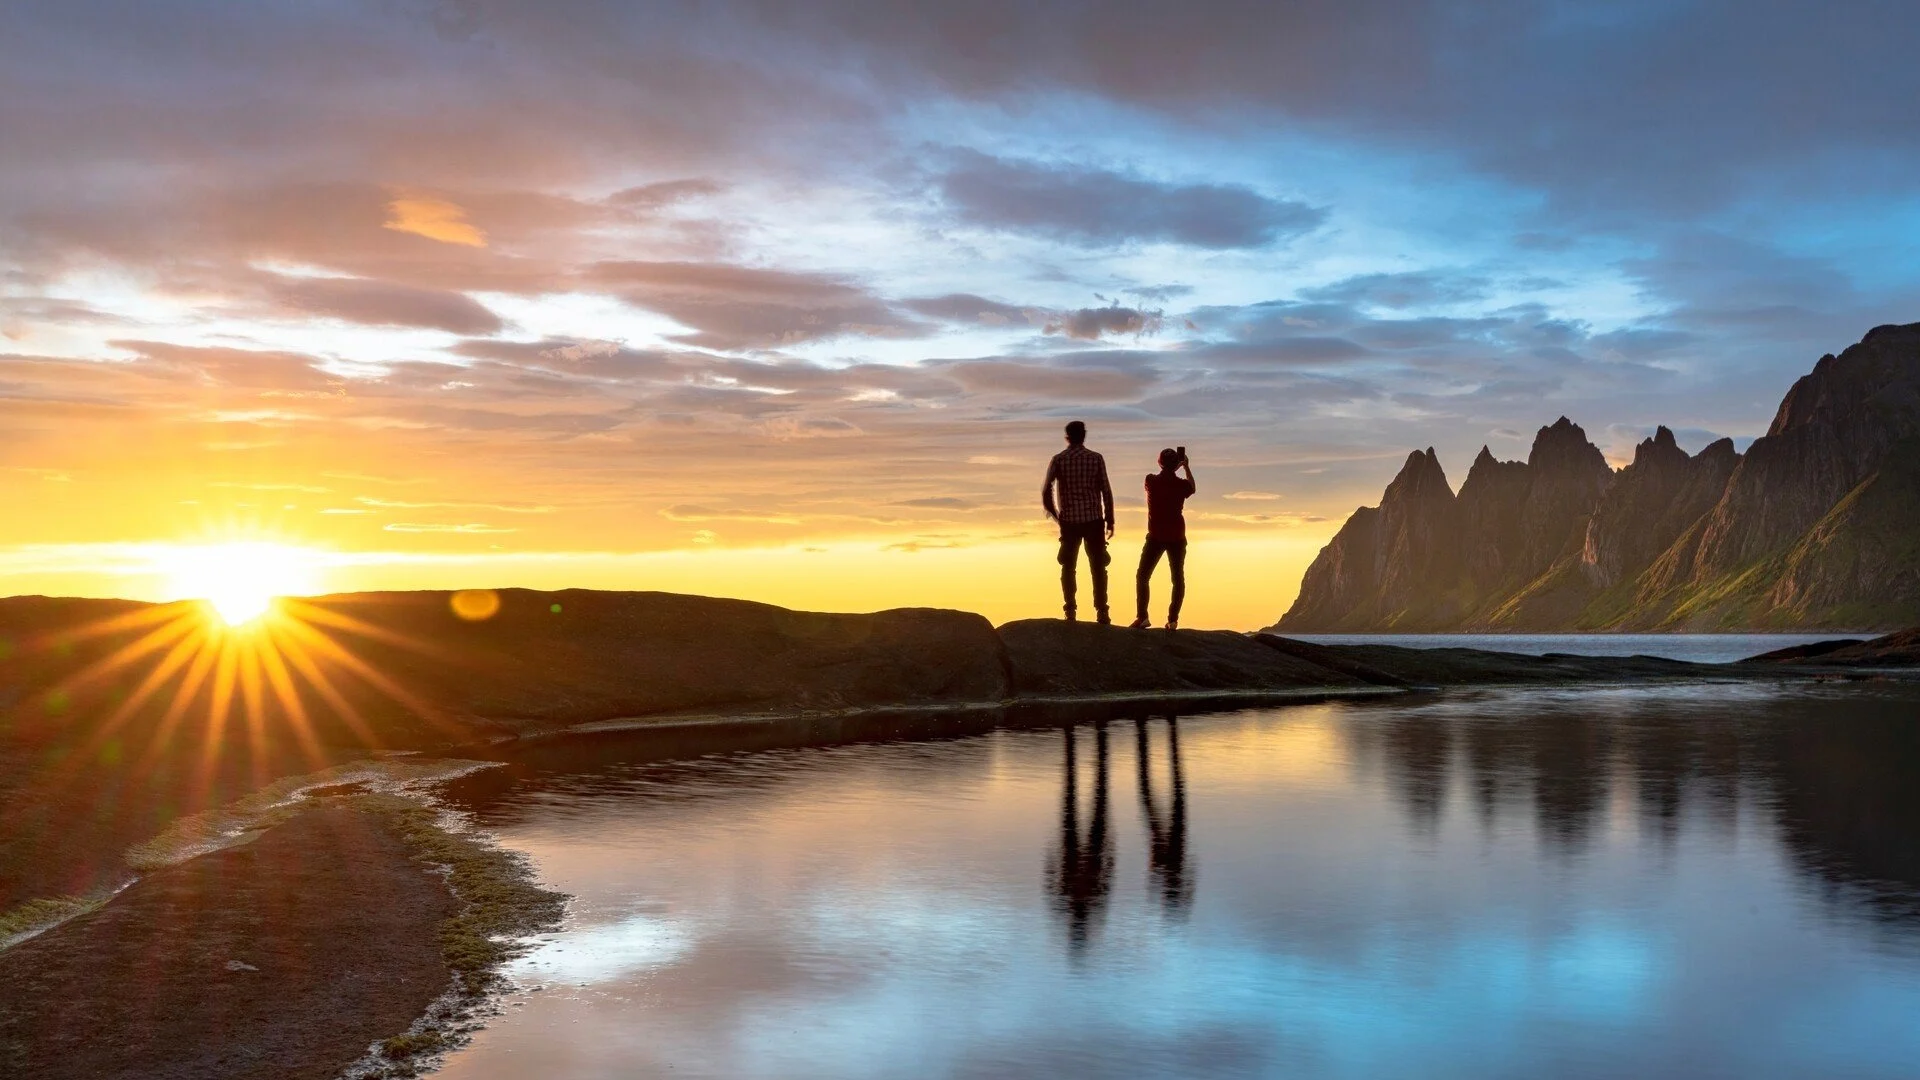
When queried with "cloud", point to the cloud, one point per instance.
{"points": [[1422, 288], [418, 527], [1058, 383], [1252, 496], [665, 193], [435, 219], [968, 308], [1096, 207], [508, 508], [378, 303], [1091, 324], [693, 513], [740, 307]]}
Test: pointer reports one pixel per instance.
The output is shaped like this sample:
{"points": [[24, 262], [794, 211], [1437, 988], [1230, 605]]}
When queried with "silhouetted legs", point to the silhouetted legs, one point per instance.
{"points": [[1176, 553], [1094, 536]]}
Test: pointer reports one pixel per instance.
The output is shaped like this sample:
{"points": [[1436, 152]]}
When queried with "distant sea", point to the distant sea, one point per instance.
{"points": [[1699, 648]]}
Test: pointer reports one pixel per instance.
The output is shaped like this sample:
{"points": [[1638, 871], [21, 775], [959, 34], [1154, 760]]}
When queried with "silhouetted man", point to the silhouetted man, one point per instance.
{"points": [[1085, 514], [1167, 492]]}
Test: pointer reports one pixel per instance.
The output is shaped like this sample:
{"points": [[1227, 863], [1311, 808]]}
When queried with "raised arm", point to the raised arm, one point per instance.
{"points": [[1046, 489], [1188, 465]]}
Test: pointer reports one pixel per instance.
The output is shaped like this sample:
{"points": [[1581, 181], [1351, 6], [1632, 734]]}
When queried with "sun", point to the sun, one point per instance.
{"points": [[239, 580]]}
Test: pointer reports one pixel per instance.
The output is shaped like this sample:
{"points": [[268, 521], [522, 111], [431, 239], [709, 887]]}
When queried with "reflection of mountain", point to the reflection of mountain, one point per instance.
{"points": [[1835, 775], [1814, 526]]}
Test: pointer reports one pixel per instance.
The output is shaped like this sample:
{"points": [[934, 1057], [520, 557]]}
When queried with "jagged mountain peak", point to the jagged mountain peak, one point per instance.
{"points": [[1563, 443], [1659, 451], [1719, 448], [1812, 526], [1420, 477]]}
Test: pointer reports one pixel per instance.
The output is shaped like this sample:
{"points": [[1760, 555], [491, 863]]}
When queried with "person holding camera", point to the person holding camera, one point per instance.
{"points": [[1085, 514], [1167, 491]]}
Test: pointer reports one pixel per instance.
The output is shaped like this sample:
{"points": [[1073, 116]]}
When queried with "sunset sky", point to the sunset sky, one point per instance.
{"points": [[790, 301]]}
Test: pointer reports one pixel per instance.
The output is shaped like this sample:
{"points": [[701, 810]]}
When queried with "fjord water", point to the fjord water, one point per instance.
{"points": [[1697, 648], [1686, 881]]}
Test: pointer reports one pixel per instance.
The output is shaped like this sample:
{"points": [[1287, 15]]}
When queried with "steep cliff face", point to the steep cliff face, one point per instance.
{"points": [[1339, 590], [1566, 477], [1654, 499], [1818, 524], [1492, 505], [1833, 430], [1418, 555]]}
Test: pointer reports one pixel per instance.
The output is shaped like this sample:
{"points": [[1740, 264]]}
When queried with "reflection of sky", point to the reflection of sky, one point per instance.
{"points": [[865, 913]]}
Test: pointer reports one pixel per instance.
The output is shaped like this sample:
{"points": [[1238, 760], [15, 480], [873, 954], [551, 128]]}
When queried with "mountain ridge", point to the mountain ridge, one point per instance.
{"points": [[1813, 526]]}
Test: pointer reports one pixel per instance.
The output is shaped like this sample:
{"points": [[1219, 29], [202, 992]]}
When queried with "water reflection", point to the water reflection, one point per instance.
{"points": [[1649, 882], [1842, 795], [1167, 870], [1080, 874]]}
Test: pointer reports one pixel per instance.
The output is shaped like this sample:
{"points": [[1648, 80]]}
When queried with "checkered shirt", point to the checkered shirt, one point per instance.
{"points": [[1082, 476]]}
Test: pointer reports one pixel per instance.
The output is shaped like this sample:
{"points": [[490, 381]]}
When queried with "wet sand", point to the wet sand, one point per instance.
{"points": [[284, 957]]}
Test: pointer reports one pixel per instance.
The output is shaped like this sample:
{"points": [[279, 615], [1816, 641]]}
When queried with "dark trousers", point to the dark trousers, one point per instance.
{"points": [[1176, 553], [1094, 535]]}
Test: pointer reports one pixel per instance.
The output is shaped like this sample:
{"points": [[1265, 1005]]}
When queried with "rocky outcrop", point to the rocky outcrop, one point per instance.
{"points": [[1815, 525], [1897, 650], [1051, 658]]}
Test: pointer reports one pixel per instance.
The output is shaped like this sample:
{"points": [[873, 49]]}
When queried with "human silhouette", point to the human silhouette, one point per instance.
{"points": [[1081, 874], [1166, 833], [1167, 491], [1085, 505]]}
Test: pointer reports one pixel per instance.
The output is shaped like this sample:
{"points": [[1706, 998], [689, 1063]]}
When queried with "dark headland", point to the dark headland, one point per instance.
{"points": [[105, 742]]}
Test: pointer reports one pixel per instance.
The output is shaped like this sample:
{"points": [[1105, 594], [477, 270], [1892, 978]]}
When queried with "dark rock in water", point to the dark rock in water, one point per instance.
{"points": [[1818, 524], [1482, 667], [1896, 650], [1057, 658]]}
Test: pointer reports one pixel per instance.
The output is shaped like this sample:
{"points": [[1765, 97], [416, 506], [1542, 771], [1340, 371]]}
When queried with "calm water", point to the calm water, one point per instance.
{"points": [[1699, 648], [1684, 882]]}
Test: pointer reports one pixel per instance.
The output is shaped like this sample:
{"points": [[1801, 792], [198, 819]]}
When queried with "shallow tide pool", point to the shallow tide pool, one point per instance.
{"points": [[1677, 881]]}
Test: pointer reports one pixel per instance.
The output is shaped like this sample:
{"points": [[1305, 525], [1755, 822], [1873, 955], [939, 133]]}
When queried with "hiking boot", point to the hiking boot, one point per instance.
{"points": [[1105, 619], [1070, 615], [1173, 624], [1140, 623]]}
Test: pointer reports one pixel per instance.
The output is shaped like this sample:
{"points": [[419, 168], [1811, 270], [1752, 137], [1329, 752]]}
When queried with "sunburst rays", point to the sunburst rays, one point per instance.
{"points": [[179, 686]]}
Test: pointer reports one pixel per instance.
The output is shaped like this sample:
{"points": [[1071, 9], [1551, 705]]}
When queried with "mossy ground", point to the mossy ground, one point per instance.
{"points": [[501, 906], [40, 914]]}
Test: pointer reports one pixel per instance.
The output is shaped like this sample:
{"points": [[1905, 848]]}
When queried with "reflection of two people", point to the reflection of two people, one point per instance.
{"points": [[1081, 875]]}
